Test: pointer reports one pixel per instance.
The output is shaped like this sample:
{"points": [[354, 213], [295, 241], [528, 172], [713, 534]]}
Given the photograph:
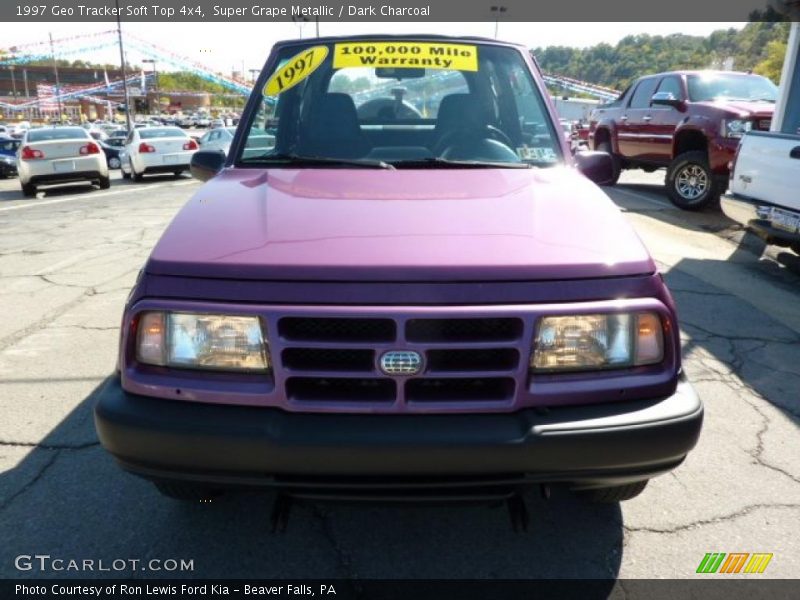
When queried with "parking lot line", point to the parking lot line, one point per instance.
{"points": [[94, 195]]}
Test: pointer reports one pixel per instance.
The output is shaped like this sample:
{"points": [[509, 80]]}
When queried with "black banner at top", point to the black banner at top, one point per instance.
{"points": [[391, 10]]}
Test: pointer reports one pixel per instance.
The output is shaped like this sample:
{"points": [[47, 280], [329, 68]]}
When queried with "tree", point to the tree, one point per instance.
{"points": [[772, 65]]}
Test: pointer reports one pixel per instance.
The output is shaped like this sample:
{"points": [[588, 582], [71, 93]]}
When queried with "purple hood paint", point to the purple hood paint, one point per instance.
{"points": [[403, 225]]}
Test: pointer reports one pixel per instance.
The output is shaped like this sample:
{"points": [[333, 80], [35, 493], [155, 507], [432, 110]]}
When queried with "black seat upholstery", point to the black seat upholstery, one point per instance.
{"points": [[333, 130], [458, 113]]}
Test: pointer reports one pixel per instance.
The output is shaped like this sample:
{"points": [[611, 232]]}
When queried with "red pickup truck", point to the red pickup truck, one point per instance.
{"points": [[687, 121]]}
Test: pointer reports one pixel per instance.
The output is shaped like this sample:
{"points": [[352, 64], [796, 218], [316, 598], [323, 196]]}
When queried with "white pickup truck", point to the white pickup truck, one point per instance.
{"points": [[764, 188]]}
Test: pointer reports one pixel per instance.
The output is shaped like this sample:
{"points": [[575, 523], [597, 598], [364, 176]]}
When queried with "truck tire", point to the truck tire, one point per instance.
{"points": [[617, 493], [188, 492], [606, 147], [691, 185]]}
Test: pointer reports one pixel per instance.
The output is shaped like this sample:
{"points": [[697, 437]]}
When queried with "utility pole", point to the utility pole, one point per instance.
{"points": [[155, 76], [13, 82], [498, 10], [124, 74], [58, 83]]}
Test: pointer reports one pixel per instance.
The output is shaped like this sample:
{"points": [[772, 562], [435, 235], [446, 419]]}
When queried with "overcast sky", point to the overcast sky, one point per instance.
{"points": [[226, 46]]}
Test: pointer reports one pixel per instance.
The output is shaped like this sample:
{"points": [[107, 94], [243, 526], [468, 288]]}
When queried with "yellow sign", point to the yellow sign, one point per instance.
{"points": [[295, 70], [406, 55]]}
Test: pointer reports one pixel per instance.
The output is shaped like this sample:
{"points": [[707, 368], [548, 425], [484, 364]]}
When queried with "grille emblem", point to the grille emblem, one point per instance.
{"points": [[401, 362]]}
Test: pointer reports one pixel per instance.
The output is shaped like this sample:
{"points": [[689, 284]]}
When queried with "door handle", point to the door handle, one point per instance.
{"points": [[647, 118], [795, 153], [623, 118]]}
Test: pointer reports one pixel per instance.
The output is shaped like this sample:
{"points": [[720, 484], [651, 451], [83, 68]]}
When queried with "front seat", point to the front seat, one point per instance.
{"points": [[332, 129], [458, 114]]}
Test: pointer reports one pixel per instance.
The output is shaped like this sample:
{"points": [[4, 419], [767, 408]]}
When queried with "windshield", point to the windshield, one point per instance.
{"points": [[167, 132], [61, 133], [716, 86], [401, 104]]}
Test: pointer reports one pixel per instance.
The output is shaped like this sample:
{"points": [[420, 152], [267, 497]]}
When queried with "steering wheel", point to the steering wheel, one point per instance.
{"points": [[487, 132]]}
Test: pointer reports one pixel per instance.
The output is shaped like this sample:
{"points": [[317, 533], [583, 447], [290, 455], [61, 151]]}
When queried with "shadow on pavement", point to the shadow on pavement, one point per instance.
{"points": [[763, 353], [67, 498]]}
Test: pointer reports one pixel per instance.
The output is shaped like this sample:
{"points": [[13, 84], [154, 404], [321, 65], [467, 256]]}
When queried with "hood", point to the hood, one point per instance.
{"points": [[742, 108], [403, 225]]}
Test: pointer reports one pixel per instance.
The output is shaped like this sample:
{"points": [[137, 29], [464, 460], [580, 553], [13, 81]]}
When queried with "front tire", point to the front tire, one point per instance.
{"points": [[28, 190], [691, 184], [606, 147], [617, 493], [113, 163], [187, 492]]}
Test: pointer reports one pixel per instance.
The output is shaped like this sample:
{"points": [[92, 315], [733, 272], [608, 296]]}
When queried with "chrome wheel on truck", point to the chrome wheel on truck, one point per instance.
{"points": [[690, 182]]}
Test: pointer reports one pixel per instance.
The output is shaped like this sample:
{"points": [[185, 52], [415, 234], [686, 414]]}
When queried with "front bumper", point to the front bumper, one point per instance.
{"points": [[583, 446], [745, 212], [721, 152]]}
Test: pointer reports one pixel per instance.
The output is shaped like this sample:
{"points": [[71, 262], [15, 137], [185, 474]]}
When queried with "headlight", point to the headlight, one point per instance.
{"points": [[736, 127], [197, 341], [593, 342]]}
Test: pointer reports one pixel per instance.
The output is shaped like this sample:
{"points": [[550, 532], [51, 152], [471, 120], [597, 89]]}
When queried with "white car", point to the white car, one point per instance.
{"points": [[157, 150], [52, 155], [218, 139]]}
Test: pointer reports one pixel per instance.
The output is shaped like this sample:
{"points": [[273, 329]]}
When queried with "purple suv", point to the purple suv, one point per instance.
{"points": [[428, 295]]}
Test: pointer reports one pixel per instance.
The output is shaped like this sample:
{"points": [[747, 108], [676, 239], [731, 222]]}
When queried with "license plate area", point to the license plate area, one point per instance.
{"points": [[64, 166], [171, 159], [785, 220]]}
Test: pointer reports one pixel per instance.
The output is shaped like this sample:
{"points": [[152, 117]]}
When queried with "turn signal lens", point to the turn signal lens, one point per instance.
{"points": [[144, 148], [190, 145], [649, 340], [150, 346]]}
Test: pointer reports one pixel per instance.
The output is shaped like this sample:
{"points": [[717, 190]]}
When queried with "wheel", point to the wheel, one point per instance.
{"points": [[125, 175], [104, 183], [178, 173], [136, 176], [606, 147], [28, 190], [690, 183], [113, 163], [617, 493], [188, 492]]}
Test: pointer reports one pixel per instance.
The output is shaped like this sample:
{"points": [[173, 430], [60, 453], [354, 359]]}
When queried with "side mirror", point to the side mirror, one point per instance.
{"points": [[205, 164], [667, 99], [597, 166]]}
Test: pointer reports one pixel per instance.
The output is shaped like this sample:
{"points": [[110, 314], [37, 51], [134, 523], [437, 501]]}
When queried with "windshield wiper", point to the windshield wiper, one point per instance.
{"points": [[434, 161], [291, 159]]}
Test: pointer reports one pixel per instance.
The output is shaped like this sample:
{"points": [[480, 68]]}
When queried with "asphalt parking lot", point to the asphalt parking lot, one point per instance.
{"points": [[67, 261]]}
